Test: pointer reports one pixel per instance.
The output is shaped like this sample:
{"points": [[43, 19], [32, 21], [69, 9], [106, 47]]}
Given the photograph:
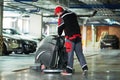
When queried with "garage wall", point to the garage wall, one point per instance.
{"points": [[115, 30], [101, 31], [35, 25]]}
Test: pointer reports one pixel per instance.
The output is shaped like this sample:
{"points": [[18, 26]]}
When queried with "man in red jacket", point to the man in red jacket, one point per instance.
{"points": [[67, 22]]}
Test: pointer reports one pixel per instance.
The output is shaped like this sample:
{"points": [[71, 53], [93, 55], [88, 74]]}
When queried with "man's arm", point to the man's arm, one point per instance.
{"points": [[60, 26]]}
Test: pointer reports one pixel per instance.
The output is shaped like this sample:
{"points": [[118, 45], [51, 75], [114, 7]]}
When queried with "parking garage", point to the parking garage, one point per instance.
{"points": [[34, 19]]}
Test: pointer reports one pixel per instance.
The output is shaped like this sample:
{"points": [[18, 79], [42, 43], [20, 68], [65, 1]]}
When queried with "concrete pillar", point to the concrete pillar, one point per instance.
{"points": [[93, 35], [36, 25], [84, 36], [1, 23]]}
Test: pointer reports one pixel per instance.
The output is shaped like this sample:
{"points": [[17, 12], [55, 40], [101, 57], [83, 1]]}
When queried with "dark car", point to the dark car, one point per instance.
{"points": [[29, 45], [109, 41]]}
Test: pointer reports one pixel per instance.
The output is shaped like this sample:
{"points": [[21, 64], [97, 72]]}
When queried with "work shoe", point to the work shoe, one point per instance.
{"points": [[85, 72], [65, 73]]}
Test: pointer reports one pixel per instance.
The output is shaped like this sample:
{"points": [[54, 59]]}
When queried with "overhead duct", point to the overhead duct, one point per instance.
{"points": [[90, 6], [88, 15]]}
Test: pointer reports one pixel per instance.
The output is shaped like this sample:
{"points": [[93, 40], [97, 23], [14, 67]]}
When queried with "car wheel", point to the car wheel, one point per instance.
{"points": [[101, 47], [116, 47], [4, 51], [25, 51]]}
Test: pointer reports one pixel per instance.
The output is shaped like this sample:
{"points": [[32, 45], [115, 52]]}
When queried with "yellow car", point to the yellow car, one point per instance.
{"points": [[10, 44]]}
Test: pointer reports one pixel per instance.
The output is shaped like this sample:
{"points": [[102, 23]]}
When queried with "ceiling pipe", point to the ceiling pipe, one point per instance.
{"points": [[15, 8], [35, 6], [20, 9], [28, 4], [89, 15], [90, 6]]}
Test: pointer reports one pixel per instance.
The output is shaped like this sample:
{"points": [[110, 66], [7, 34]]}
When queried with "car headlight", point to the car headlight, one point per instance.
{"points": [[7, 39], [13, 43], [10, 40]]}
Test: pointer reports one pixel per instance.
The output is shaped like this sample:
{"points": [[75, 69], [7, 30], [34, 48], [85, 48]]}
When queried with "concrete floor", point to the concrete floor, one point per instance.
{"points": [[103, 65]]}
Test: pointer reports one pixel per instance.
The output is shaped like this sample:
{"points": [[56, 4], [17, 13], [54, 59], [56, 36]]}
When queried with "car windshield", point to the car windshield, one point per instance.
{"points": [[11, 31], [109, 37]]}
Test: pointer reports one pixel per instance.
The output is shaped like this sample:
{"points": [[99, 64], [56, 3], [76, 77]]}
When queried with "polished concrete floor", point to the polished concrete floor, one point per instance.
{"points": [[103, 65]]}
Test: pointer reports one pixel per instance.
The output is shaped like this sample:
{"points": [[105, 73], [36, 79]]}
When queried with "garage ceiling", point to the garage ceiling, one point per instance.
{"points": [[96, 12]]}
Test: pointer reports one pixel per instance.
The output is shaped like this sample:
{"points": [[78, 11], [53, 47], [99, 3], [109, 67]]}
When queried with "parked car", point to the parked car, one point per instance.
{"points": [[28, 44], [14, 32], [109, 41], [11, 44]]}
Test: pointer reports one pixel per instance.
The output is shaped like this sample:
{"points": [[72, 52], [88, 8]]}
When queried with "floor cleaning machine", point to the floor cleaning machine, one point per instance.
{"points": [[52, 54]]}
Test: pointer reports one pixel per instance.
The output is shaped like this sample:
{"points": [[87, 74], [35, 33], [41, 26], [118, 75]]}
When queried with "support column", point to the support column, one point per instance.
{"points": [[1, 23], [93, 35], [84, 36]]}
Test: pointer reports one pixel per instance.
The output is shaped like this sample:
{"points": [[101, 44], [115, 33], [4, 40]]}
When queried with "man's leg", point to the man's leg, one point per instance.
{"points": [[80, 56], [70, 51]]}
